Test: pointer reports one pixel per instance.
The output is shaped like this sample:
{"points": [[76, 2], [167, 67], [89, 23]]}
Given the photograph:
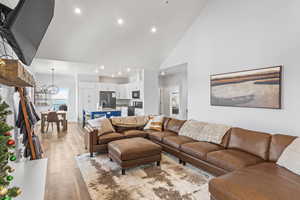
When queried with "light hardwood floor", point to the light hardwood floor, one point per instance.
{"points": [[64, 180]]}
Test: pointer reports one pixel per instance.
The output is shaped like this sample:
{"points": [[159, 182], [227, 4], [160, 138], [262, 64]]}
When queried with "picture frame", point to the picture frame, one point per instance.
{"points": [[256, 88]]}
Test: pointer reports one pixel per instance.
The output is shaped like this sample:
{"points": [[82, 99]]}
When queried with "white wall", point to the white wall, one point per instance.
{"points": [[151, 92], [235, 35], [62, 81]]}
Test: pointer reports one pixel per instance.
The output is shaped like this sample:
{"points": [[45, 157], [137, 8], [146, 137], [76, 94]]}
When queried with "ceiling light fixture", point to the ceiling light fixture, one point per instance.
{"points": [[113, 76], [128, 69], [119, 73], [52, 89], [77, 11], [153, 29], [102, 67], [163, 73], [120, 21]]}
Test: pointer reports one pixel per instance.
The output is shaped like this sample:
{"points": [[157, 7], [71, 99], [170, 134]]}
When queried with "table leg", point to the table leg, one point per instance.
{"points": [[65, 124], [43, 124]]}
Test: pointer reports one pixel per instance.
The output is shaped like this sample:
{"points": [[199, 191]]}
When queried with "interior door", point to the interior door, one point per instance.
{"points": [[174, 102]]}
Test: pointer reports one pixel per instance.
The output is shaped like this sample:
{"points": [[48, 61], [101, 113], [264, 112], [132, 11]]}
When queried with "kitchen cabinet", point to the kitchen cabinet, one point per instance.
{"points": [[107, 87]]}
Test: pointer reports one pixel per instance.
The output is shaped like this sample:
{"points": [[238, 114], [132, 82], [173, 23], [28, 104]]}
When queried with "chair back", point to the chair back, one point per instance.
{"points": [[52, 117], [63, 107]]}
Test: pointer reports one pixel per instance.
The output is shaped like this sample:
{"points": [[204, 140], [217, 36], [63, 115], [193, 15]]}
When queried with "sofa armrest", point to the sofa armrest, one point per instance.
{"points": [[93, 137]]}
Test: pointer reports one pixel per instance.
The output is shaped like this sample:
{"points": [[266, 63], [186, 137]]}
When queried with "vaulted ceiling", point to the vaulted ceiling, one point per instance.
{"points": [[95, 37]]}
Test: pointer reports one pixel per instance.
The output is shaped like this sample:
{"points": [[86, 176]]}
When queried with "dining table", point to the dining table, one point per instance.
{"points": [[62, 114]]}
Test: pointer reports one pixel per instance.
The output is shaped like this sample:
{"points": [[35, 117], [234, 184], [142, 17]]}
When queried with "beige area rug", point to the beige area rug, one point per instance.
{"points": [[170, 181]]}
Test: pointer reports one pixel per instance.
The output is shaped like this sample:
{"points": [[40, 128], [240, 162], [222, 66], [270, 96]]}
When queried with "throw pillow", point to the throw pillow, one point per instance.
{"points": [[105, 127], [289, 159], [155, 123]]}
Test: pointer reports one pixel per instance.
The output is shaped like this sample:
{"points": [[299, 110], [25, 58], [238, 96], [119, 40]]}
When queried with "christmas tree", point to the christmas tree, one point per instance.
{"points": [[7, 145]]}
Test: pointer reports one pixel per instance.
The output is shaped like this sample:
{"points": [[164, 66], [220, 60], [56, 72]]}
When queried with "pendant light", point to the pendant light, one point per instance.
{"points": [[52, 89]]}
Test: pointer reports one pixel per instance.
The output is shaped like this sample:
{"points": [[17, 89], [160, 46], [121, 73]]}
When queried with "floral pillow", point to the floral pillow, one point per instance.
{"points": [[155, 123]]}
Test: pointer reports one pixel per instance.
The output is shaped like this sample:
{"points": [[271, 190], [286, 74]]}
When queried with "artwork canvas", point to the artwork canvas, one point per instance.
{"points": [[259, 88]]}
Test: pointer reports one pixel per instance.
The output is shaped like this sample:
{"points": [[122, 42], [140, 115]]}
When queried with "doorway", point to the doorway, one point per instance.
{"points": [[174, 92]]}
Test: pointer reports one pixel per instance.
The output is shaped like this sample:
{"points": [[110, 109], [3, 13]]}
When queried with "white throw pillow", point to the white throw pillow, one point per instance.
{"points": [[154, 123], [290, 158]]}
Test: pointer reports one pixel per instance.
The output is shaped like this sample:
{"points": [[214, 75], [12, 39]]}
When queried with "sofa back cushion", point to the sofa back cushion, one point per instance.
{"points": [[165, 122], [278, 144], [226, 138], [174, 125], [155, 123], [253, 142], [105, 127]]}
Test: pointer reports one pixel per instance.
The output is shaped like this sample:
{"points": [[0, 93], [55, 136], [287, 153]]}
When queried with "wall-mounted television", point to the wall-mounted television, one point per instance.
{"points": [[25, 26]]}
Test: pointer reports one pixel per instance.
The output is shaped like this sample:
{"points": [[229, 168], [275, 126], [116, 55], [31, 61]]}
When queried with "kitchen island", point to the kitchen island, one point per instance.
{"points": [[107, 113]]}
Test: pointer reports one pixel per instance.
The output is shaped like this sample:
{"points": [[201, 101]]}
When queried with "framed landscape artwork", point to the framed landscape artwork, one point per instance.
{"points": [[259, 88]]}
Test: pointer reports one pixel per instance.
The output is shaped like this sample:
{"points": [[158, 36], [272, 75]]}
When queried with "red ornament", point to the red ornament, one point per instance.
{"points": [[11, 142], [7, 134]]}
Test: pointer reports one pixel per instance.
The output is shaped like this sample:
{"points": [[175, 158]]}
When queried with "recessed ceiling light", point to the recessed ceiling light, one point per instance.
{"points": [[113, 76], [163, 73], [128, 69], [77, 11], [153, 29], [120, 21], [102, 67]]}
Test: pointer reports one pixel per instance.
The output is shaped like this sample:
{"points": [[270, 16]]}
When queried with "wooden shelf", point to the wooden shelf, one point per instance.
{"points": [[13, 73]]}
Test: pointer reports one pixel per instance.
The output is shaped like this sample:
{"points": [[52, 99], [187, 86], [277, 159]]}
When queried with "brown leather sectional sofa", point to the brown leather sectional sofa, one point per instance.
{"points": [[244, 163]]}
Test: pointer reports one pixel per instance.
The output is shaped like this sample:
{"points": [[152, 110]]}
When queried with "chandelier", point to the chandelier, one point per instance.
{"points": [[52, 89]]}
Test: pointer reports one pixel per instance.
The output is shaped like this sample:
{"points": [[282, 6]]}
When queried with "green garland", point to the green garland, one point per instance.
{"points": [[7, 145]]}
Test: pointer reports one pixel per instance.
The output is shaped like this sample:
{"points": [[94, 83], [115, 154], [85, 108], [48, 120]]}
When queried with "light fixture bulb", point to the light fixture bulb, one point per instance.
{"points": [[120, 21], [153, 29], [77, 11]]}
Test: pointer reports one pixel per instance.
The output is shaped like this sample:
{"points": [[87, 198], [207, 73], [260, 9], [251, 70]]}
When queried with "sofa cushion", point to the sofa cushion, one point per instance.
{"points": [[124, 120], [177, 141], [105, 127], [158, 136], [265, 181], [104, 139], [253, 142], [278, 144], [134, 148], [199, 149], [231, 160], [174, 125], [134, 133]]}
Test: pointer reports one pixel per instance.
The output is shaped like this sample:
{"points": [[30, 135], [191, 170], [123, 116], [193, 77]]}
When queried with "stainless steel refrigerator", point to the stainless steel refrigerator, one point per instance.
{"points": [[108, 99]]}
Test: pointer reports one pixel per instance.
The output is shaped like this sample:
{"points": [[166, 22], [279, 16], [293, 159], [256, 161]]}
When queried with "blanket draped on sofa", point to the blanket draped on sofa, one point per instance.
{"points": [[202, 131]]}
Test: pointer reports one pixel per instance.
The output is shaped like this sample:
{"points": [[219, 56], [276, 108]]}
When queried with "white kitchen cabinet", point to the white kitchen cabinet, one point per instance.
{"points": [[124, 91], [107, 87]]}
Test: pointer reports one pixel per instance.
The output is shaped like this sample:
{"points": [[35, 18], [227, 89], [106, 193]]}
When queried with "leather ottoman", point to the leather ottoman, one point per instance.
{"points": [[133, 152]]}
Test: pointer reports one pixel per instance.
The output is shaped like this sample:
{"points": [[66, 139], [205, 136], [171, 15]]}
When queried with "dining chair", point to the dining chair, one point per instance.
{"points": [[52, 118]]}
